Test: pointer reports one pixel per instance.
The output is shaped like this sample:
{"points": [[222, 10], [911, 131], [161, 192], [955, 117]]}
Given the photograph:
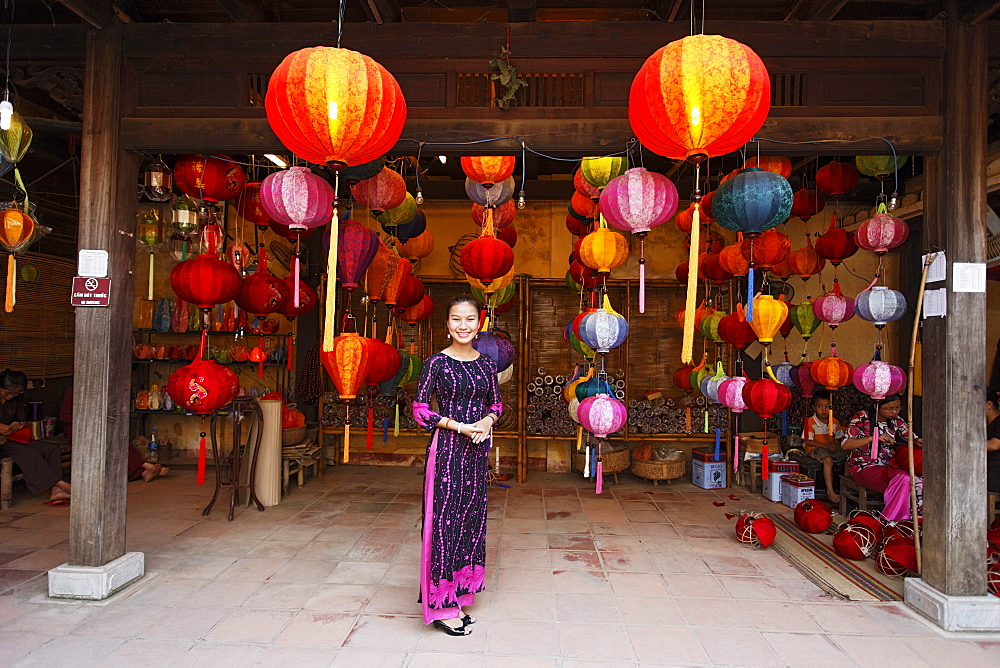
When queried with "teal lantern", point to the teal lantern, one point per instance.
{"points": [[752, 201]]}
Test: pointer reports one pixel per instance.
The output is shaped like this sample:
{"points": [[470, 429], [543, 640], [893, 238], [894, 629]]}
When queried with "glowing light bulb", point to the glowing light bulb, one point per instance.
{"points": [[332, 111], [420, 196], [6, 112], [520, 200], [443, 159], [893, 201]]}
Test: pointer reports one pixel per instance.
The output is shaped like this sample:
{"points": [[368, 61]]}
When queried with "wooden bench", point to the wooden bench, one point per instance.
{"points": [[8, 477], [852, 491]]}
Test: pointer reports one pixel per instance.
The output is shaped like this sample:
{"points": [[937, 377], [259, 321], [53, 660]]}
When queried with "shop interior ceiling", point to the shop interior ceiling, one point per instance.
{"points": [[51, 168]]}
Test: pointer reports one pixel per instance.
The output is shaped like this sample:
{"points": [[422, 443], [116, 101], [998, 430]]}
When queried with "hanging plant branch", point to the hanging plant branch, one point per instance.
{"points": [[506, 77]]}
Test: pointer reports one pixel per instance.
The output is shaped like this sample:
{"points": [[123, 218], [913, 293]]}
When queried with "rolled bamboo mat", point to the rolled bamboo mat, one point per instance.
{"points": [[268, 478]]}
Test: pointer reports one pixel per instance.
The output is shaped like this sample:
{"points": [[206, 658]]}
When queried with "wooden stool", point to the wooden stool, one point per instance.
{"points": [[750, 468], [850, 490], [299, 466]]}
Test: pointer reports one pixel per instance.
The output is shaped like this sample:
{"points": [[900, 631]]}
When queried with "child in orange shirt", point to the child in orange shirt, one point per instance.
{"points": [[821, 435]]}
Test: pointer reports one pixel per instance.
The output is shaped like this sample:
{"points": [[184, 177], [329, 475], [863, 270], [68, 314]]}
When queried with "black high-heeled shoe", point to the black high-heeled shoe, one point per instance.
{"points": [[467, 620], [462, 630]]}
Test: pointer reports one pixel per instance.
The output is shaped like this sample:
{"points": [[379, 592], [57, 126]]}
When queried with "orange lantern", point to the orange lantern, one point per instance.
{"points": [[732, 260], [380, 272], [783, 269], [603, 250], [16, 232], [778, 164], [421, 311], [212, 178], [832, 372], [397, 281], [488, 169], [418, 247], [805, 261], [347, 364], [768, 316], [767, 249]]}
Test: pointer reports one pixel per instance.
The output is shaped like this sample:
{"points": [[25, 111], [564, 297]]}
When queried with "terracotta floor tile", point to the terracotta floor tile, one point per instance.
{"points": [[778, 616], [248, 568], [222, 593], [341, 598], [84, 651], [528, 558], [595, 642], [385, 632], [731, 565], [575, 560], [939, 651], [513, 605], [637, 584], [250, 626], [299, 657], [524, 579], [722, 613], [147, 653], [571, 542], [355, 572], [579, 582], [201, 568], [301, 570], [393, 601], [514, 638], [585, 608], [281, 595], [213, 655], [182, 623], [880, 651], [648, 609], [699, 585]]}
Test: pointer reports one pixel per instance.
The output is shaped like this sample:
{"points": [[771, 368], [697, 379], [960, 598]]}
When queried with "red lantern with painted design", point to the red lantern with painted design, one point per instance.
{"points": [[212, 178]]}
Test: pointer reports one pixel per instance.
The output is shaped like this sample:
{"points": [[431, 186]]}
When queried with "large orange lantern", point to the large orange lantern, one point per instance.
{"points": [[418, 247], [768, 316], [766, 250], [805, 261], [603, 250], [732, 260], [488, 169]]}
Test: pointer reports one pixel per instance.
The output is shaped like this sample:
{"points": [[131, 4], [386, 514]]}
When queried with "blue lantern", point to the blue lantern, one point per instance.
{"points": [[880, 305], [593, 387], [752, 201], [604, 329], [496, 346], [409, 230], [364, 171], [783, 373]]}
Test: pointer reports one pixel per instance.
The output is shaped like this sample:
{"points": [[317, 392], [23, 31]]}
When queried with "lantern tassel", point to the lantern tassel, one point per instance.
{"points": [[600, 476], [579, 438], [717, 456], [705, 413], [11, 298], [329, 323], [876, 433], [202, 455], [149, 291], [385, 429], [347, 440], [749, 293], [586, 462], [371, 419], [764, 458], [260, 358], [289, 364], [296, 272], [642, 273], [736, 453], [395, 430], [687, 342]]}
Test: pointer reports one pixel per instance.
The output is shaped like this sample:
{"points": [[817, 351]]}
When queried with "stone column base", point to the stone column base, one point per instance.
{"points": [[953, 613], [95, 583]]}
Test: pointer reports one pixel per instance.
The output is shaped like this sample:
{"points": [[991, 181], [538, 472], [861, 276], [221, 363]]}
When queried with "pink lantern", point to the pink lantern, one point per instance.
{"points": [[879, 379], [731, 393], [638, 201], [297, 198], [602, 415], [881, 232], [833, 307], [386, 190]]}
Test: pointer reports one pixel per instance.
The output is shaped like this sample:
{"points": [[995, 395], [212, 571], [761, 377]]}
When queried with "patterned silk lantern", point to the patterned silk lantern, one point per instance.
{"points": [[776, 164], [357, 246], [766, 397], [386, 190], [508, 235], [365, 170], [249, 206], [582, 207], [685, 219], [682, 378], [335, 107], [783, 373], [599, 171], [702, 95], [879, 379], [583, 187], [488, 169], [604, 329], [602, 415], [769, 314], [836, 178], [261, 293], [802, 377], [879, 166], [735, 330], [753, 201], [731, 393], [399, 215], [307, 299], [836, 244], [880, 305], [832, 372], [494, 285], [212, 178], [710, 326], [805, 261], [806, 203], [418, 247], [420, 312], [380, 271], [407, 231], [498, 347], [703, 311], [577, 227], [347, 363], [732, 260], [591, 387], [603, 250], [486, 258], [710, 268], [804, 318], [383, 361], [881, 232], [782, 270], [297, 198], [15, 140], [834, 308], [411, 294], [493, 196], [205, 281], [399, 278], [766, 250], [503, 215]]}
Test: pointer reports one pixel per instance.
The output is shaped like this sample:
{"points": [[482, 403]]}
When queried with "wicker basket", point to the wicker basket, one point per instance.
{"points": [[292, 436], [659, 470], [613, 462]]}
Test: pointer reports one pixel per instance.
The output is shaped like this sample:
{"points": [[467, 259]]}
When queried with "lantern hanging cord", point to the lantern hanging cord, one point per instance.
{"points": [[340, 22], [10, 35]]}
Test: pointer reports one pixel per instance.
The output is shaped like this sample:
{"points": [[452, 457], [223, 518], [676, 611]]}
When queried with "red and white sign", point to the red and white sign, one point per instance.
{"points": [[88, 291]]}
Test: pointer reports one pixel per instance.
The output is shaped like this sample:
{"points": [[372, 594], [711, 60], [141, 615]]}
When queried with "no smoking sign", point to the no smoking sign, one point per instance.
{"points": [[89, 291]]}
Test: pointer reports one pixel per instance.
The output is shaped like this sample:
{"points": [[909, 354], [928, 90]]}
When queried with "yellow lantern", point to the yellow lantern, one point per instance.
{"points": [[603, 250], [494, 285], [768, 319], [569, 392], [598, 171]]}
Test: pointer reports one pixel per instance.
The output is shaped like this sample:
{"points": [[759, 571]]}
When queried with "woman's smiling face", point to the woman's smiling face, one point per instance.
{"points": [[463, 322]]}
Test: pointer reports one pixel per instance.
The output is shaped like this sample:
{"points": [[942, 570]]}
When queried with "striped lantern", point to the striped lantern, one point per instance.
{"points": [[769, 314], [682, 378], [420, 312], [880, 305], [406, 231], [497, 347], [604, 329], [383, 265], [347, 364], [766, 250], [732, 260], [803, 317], [710, 384], [879, 379], [710, 326], [365, 170], [488, 170], [582, 207], [603, 250], [783, 373], [418, 247], [582, 186], [881, 232], [710, 268], [205, 281], [805, 261], [753, 201], [766, 397], [832, 372], [297, 198], [602, 415], [598, 172], [411, 294], [493, 196], [879, 166], [486, 258], [397, 281], [386, 190], [357, 246], [735, 330], [834, 308]]}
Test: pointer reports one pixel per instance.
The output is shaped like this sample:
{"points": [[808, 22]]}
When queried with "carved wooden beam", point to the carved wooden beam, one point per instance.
{"points": [[382, 11], [815, 10], [980, 11]]}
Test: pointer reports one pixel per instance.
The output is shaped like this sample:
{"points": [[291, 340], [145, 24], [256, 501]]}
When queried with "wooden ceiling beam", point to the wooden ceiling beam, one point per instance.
{"points": [[521, 11], [980, 11], [815, 10], [98, 13], [249, 11], [382, 11], [666, 10]]}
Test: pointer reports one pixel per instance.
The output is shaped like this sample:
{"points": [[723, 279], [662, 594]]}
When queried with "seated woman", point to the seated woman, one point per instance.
{"points": [[39, 461], [870, 467], [993, 441]]}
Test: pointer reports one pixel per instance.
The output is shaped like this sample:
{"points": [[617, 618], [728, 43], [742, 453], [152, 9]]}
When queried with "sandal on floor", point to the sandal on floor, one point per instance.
{"points": [[467, 620], [462, 630]]}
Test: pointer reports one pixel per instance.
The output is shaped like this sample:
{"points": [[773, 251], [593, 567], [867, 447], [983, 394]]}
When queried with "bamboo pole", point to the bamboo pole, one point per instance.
{"points": [[909, 411]]}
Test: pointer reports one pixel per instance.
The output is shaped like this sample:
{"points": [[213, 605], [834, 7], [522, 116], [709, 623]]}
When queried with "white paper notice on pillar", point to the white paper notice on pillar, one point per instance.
{"points": [[92, 263], [936, 303], [968, 277], [938, 270]]}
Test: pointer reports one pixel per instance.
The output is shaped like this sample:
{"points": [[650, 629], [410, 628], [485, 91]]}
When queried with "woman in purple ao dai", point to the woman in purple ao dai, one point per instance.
{"points": [[453, 543]]}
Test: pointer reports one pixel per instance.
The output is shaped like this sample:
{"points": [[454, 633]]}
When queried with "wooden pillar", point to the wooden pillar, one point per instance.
{"points": [[103, 335], [954, 361]]}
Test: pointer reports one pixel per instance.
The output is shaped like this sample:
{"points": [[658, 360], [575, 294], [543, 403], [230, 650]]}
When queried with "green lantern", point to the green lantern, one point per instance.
{"points": [[879, 166], [401, 215], [413, 369], [571, 284], [710, 326], [598, 171], [804, 319], [14, 142], [581, 347], [496, 299], [698, 374]]}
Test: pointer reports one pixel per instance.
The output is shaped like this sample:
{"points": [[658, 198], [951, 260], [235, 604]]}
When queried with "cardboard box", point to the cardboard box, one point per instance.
{"points": [[796, 488], [776, 471], [708, 475]]}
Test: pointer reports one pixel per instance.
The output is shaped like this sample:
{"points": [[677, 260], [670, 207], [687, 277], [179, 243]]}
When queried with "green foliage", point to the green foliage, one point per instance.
{"points": [[507, 77]]}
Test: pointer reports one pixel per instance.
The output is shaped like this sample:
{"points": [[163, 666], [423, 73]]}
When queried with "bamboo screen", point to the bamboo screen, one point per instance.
{"points": [[37, 338]]}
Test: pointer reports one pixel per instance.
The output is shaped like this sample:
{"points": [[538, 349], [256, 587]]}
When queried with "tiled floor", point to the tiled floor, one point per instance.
{"points": [[639, 575]]}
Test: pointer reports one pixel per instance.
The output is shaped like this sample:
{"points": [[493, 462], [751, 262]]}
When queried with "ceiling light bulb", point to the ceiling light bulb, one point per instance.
{"points": [[420, 196], [6, 112], [276, 159], [893, 201], [443, 159], [520, 200]]}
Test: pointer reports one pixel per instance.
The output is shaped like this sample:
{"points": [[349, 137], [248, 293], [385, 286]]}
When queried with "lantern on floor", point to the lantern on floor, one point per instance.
{"points": [[805, 261], [854, 541], [604, 329], [835, 178], [249, 206], [356, 248], [879, 166], [832, 372], [753, 201], [767, 249], [503, 215], [386, 190], [881, 233], [599, 171], [806, 203], [496, 195], [498, 348], [834, 308], [205, 281], [803, 316], [836, 244], [879, 379], [399, 215], [732, 260], [735, 330], [365, 170], [486, 258], [896, 559], [488, 169], [335, 107], [212, 178], [731, 393], [776, 164], [880, 305], [803, 379], [603, 250], [602, 415], [582, 186], [261, 293], [418, 247], [682, 378], [420, 312], [769, 314], [755, 530], [813, 516]]}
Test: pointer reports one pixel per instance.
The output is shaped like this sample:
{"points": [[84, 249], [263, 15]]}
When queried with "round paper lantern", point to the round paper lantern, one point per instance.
{"points": [[307, 299], [756, 531], [365, 170], [347, 363], [806, 203], [753, 201], [736, 331], [768, 316], [776, 164], [732, 260], [813, 516], [334, 107], [831, 372], [766, 250], [603, 250], [805, 261], [494, 285], [249, 206], [879, 379], [706, 205], [356, 248], [638, 200], [599, 171], [803, 379], [383, 361], [386, 190], [297, 198], [580, 347], [854, 541], [488, 169], [782, 270], [833, 307], [710, 268], [699, 315], [700, 373], [212, 178], [17, 228], [602, 415], [804, 318], [879, 166], [574, 410], [418, 247], [203, 386], [503, 215], [880, 305], [582, 207], [881, 232], [836, 178], [766, 397], [577, 227], [604, 329], [399, 215], [406, 231], [710, 326], [702, 95], [486, 258], [498, 347], [261, 293], [731, 393], [896, 559], [420, 312], [205, 281], [682, 378], [836, 244], [493, 196]]}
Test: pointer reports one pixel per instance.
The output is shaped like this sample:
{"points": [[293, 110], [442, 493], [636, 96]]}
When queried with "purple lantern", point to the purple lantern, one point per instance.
{"points": [[498, 347], [731, 393], [356, 248], [602, 415], [802, 377], [879, 379], [710, 384], [783, 373], [834, 308], [297, 198]]}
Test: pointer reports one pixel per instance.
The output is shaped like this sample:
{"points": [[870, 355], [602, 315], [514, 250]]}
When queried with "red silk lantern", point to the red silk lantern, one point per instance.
{"points": [[420, 312], [735, 330], [881, 232], [503, 215], [813, 516], [783, 269], [335, 107], [576, 227], [901, 459], [766, 397], [583, 275], [896, 559], [261, 293], [702, 95], [681, 273], [684, 220], [805, 261], [699, 314], [386, 190], [710, 268], [836, 244], [836, 178], [356, 248], [212, 178], [706, 206], [854, 541], [307, 299], [488, 169], [486, 258], [802, 377], [411, 294], [383, 361], [777, 164], [508, 235], [766, 249], [732, 260], [584, 187], [806, 203], [786, 326], [582, 206], [250, 208], [755, 530], [205, 281], [832, 372], [865, 518], [682, 378]]}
